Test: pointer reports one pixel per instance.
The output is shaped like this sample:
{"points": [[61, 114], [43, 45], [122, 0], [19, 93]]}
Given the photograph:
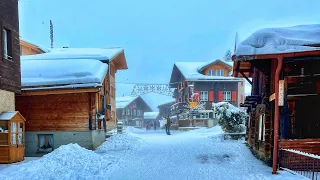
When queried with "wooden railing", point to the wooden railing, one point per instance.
{"points": [[299, 162]]}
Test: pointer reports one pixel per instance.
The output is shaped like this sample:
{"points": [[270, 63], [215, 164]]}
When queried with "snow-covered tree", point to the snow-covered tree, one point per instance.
{"points": [[228, 55], [231, 118]]}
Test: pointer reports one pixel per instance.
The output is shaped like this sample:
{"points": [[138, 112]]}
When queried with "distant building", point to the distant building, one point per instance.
{"points": [[210, 80], [27, 48], [165, 109], [151, 118], [67, 97], [130, 110]]}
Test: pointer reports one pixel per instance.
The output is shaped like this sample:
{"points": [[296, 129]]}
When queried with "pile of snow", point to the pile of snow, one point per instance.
{"points": [[62, 72], [231, 118], [120, 142], [281, 40], [67, 162]]}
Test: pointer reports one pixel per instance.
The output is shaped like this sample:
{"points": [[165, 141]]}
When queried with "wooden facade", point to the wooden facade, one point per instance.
{"points": [[283, 104], [210, 90], [10, 78]]}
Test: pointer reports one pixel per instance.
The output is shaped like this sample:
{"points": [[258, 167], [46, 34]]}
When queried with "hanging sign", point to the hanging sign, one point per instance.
{"points": [[281, 93], [193, 104]]}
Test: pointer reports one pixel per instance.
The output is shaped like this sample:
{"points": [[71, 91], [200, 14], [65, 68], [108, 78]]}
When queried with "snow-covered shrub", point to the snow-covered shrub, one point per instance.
{"points": [[231, 118]]}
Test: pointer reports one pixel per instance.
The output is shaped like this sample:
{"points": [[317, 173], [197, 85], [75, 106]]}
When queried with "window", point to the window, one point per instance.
{"points": [[212, 72], [203, 95], [123, 112], [7, 44], [220, 72], [45, 142], [138, 112], [226, 95], [134, 112], [128, 111]]}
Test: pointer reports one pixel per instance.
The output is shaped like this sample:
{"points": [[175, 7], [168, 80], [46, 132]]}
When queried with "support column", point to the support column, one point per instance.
{"points": [[276, 116]]}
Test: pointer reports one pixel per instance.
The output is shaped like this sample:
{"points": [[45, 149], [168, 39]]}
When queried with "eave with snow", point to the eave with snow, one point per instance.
{"points": [[69, 69], [284, 66]]}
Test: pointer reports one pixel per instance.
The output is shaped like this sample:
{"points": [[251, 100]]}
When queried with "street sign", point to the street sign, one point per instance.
{"points": [[193, 104], [281, 93]]}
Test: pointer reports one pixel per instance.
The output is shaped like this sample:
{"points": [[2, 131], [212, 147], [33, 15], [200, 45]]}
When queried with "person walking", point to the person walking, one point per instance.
{"points": [[168, 125]]}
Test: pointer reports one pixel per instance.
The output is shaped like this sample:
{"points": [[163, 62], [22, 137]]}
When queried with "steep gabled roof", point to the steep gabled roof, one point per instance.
{"points": [[228, 64], [191, 72], [125, 101]]}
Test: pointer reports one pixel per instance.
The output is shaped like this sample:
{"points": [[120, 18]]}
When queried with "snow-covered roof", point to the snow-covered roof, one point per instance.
{"points": [[66, 72], [7, 115], [122, 102], [281, 40], [150, 115], [102, 54], [167, 102], [230, 64], [190, 70]]}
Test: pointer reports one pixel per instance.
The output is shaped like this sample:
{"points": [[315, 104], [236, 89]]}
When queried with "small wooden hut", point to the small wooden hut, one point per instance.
{"points": [[11, 137]]}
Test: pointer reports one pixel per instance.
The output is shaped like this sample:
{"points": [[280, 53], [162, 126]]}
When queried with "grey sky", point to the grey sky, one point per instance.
{"points": [[157, 33]]}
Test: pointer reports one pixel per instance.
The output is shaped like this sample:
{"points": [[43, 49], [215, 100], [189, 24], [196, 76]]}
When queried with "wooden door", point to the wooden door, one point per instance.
{"points": [[13, 147], [20, 141]]}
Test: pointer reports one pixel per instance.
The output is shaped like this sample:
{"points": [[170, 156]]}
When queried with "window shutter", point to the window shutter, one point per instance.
{"points": [[198, 96], [234, 96], [220, 96], [211, 96]]}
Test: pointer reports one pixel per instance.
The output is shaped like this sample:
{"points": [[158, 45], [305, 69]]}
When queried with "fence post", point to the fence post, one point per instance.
{"points": [[313, 168]]}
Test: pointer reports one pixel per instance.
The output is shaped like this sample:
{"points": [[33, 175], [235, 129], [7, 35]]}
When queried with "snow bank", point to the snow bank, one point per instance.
{"points": [[67, 162], [120, 142], [281, 40]]}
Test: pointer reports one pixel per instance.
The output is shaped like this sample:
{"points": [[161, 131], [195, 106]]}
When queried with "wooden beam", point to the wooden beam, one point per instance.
{"points": [[243, 75], [65, 91]]}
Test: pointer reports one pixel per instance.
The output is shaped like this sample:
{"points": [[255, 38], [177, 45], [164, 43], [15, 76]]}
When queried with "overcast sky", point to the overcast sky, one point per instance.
{"points": [[157, 33]]}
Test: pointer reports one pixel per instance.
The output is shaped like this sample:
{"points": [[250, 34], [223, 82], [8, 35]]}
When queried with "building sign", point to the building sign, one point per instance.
{"points": [[281, 93], [193, 104], [272, 97]]}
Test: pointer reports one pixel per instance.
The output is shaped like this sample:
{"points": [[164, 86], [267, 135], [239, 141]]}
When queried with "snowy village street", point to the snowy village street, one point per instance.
{"points": [[140, 154]]}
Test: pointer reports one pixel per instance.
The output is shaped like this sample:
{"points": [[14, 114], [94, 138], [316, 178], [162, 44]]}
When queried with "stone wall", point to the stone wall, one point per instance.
{"points": [[6, 101]]}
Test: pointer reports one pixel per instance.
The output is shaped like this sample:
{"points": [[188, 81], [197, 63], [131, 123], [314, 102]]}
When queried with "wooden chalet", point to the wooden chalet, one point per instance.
{"points": [[130, 110], [285, 95], [211, 81], [68, 97]]}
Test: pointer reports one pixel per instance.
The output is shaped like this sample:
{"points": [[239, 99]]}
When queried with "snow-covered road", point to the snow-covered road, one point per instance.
{"points": [[140, 154], [198, 154]]}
